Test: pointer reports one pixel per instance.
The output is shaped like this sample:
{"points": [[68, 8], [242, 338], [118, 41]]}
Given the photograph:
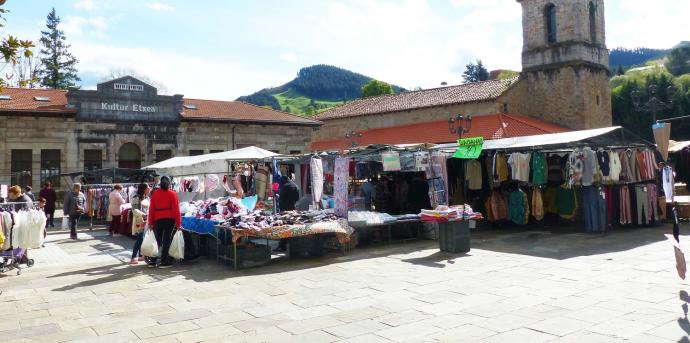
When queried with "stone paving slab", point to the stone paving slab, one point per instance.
{"points": [[512, 287]]}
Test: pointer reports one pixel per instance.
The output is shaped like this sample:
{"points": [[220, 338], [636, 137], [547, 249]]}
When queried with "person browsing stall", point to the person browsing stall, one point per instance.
{"points": [[140, 208], [15, 194], [115, 208], [48, 193], [164, 217], [74, 206]]}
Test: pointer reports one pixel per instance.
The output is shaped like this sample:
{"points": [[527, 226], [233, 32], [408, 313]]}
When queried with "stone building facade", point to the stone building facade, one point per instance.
{"points": [[125, 123], [564, 80]]}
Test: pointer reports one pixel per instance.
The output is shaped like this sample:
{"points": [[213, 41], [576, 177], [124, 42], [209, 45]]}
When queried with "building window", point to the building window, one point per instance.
{"points": [[551, 27], [196, 152], [20, 168], [162, 155], [129, 156], [592, 22], [93, 159], [215, 151], [50, 166], [597, 100], [505, 107]]}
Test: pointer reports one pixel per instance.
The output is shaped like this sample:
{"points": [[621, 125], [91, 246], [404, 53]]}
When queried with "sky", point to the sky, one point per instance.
{"points": [[222, 49]]}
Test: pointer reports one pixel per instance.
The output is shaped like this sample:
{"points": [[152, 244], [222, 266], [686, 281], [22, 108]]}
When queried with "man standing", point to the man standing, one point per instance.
{"points": [[74, 208], [49, 194], [289, 194]]}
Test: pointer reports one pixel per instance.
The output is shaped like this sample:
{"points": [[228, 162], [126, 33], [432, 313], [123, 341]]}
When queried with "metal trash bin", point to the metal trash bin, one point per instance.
{"points": [[454, 237]]}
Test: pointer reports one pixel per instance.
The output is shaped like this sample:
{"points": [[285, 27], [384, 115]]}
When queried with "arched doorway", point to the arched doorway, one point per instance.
{"points": [[129, 156]]}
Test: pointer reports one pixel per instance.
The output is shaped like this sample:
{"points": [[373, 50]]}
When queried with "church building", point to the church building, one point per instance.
{"points": [[564, 85]]}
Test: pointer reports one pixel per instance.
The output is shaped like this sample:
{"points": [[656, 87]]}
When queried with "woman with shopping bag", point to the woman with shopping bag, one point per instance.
{"points": [[164, 218]]}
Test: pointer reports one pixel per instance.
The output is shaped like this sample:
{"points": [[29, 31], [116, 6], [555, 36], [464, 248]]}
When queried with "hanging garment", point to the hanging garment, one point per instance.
{"points": [[614, 166], [589, 166], [604, 161], [537, 204], [519, 166], [594, 209], [440, 168], [643, 208], [473, 174], [653, 202], [539, 168], [630, 168], [317, 180], [518, 207], [650, 161], [262, 183], [566, 202], [499, 206], [555, 170], [211, 182], [500, 168], [549, 198], [576, 166], [668, 182], [642, 166], [610, 213], [625, 210]]}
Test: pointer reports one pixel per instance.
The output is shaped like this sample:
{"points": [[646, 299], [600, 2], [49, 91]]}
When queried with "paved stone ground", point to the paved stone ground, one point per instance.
{"points": [[512, 287]]}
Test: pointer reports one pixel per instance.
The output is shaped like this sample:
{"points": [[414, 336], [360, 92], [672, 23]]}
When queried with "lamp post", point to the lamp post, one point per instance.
{"points": [[654, 105], [460, 124], [353, 137]]}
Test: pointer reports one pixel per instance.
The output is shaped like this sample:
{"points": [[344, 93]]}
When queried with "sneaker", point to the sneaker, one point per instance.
{"points": [[142, 258], [133, 261]]}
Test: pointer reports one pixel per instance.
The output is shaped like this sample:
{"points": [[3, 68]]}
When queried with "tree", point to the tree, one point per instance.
{"points": [[507, 74], [25, 72], [620, 70], [475, 72], [376, 88], [59, 65], [12, 49], [118, 73], [678, 61]]}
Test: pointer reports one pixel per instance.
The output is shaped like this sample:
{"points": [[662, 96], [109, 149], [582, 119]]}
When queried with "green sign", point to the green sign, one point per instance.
{"points": [[469, 148]]}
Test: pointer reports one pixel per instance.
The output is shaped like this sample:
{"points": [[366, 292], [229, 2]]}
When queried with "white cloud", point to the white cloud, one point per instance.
{"points": [[84, 5], [159, 6], [193, 76], [288, 56], [79, 26]]}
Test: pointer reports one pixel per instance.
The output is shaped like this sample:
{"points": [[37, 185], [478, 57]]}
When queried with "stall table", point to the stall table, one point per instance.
{"points": [[389, 227]]}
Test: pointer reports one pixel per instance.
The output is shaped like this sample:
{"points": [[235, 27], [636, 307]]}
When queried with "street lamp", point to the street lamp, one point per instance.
{"points": [[654, 105], [460, 124], [354, 138]]}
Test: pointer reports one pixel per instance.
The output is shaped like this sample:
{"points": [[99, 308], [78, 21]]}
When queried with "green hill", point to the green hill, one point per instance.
{"points": [[315, 89]]}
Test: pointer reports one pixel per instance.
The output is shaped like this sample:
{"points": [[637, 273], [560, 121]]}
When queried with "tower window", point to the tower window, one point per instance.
{"points": [[505, 107], [597, 100], [550, 14], [592, 22]]}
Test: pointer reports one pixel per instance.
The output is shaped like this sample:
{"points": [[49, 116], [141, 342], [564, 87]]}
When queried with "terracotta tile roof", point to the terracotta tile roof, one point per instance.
{"points": [[491, 126], [22, 100], [239, 111], [470, 92]]}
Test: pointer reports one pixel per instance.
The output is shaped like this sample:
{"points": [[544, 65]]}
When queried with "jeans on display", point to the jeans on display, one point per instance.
{"points": [[642, 205], [73, 219], [163, 228], [136, 251], [594, 209]]}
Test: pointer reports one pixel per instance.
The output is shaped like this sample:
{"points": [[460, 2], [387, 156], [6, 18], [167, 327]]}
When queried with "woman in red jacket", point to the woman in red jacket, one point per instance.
{"points": [[164, 217]]}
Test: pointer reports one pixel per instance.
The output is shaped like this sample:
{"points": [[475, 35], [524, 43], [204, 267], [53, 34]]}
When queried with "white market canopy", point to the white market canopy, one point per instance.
{"points": [[215, 163], [614, 136]]}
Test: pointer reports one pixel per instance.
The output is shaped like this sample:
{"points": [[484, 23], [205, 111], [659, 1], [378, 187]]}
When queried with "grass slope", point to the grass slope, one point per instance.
{"points": [[299, 104]]}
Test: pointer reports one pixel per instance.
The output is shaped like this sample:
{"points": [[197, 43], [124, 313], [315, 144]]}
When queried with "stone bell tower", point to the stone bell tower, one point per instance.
{"points": [[565, 62]]}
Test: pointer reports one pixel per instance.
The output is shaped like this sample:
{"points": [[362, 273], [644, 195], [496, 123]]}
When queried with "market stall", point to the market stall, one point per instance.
{"points": [[602, 177]]}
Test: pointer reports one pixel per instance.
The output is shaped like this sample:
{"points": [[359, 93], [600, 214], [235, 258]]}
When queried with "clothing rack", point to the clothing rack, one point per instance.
{"points": [[105, 185]]}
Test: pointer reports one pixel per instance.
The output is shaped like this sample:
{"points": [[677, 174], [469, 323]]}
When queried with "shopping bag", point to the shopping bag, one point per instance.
{"points": [[65, 223], [149, 247], [176, 250]]}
